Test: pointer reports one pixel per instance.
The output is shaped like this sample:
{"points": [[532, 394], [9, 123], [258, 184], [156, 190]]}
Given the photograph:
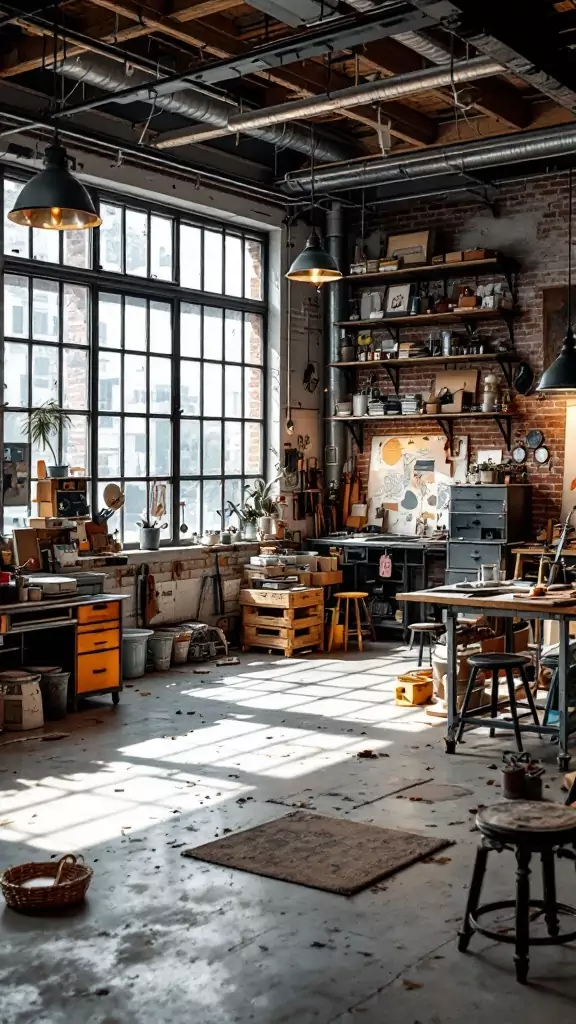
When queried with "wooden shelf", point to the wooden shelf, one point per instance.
{"points": [[485, 357], [428, 319], [472, 268], [445, 421]]}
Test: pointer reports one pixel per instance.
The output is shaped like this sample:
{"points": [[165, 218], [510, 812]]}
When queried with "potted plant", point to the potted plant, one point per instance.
{"points": [[260, 493], [488, 471], [151, 522], [43, 428], [247, 519]]}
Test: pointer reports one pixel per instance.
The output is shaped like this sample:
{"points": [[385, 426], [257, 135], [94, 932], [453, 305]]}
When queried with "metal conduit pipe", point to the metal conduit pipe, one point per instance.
{"points": [[334, 309], [457, 160], [368, 92], [195, 106]]}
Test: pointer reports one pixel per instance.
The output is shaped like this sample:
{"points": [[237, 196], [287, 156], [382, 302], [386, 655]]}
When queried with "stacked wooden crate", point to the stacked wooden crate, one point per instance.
{"points": [[286, 620]]}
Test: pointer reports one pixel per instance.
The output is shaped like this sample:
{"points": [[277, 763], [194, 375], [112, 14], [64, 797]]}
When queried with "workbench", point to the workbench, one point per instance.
{"points": [[509, 607], [81, 634], [534, 552]]}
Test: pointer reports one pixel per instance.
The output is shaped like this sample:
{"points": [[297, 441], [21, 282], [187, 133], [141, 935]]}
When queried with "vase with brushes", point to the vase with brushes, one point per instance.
{"points": [[43, 429], [151, 523]]}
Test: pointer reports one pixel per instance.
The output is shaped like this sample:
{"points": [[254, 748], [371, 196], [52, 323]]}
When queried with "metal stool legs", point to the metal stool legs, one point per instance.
{"points": [[529, 697], [465, 703], [514, 709], [521, 957], [474, 893], [549, 889]]}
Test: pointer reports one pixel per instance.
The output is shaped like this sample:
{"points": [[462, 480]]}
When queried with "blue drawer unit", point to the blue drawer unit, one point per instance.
{"points": [[485, 521]]}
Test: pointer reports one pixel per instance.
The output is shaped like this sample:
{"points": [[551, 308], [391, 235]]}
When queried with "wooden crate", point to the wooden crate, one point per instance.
{"points": [[283, 598], [282, 638], [325, 579], [259, 573], [286, 620]]}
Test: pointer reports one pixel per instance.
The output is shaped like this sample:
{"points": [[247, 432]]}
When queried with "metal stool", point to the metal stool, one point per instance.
{"points": [[433, 629], [362, 629], [496, 663], [523, 828]]}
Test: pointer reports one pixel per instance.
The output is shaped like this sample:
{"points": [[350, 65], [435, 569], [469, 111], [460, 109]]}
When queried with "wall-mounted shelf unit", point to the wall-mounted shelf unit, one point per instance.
{"points": [[467, 317], [425, 272], [445, 421], [393, 366]]}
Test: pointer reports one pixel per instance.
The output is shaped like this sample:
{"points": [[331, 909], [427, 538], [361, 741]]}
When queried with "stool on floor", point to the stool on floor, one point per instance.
{"points": [[526, 827], [361, 628], [431, 629], [496, 663]]}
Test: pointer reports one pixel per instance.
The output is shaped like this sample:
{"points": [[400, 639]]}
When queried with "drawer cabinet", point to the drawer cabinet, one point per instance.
{"points": [[477, 526], [98, 660], [484, 522], [472, 556], [98, 640], [103, 611], [472, 505], [96, 672]]}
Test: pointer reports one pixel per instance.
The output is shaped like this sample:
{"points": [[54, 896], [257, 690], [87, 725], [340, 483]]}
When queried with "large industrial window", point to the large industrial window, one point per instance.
{"points": [[150, 333]]}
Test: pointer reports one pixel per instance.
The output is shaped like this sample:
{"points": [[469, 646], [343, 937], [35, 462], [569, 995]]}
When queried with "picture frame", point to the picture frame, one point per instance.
{"points": [[398, 299], [411, 247]]}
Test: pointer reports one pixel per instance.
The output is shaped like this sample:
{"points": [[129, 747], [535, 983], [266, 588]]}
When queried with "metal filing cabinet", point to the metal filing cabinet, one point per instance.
{"points": [[485, 521]]}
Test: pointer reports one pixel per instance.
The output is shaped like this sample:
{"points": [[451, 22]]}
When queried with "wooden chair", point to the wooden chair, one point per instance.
{"points": [[362, 628]]}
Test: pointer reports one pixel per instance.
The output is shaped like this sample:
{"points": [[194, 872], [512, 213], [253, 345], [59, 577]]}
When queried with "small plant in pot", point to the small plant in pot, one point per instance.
{"points": [[44, 428], [247, 519], [488, 472], [260, 494]]}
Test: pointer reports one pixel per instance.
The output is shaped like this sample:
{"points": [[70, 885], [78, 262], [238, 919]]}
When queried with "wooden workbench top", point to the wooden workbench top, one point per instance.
{"points": [[66, 601], [510, 603]]}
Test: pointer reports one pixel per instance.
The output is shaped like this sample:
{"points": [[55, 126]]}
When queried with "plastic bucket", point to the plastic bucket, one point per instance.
{"points": [[161, 649], [134, 643], [54, 690], [181, 649]]}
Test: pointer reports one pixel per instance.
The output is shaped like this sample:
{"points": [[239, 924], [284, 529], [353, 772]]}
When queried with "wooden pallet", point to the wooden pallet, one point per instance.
{"points": [[282, 598], [286, 620], [290, 618], [283, 638]]}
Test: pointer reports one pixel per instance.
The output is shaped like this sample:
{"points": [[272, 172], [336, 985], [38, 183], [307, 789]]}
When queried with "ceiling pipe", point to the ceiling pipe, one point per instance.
{"points": [[195, 106], [457, 160], [393, 88]]}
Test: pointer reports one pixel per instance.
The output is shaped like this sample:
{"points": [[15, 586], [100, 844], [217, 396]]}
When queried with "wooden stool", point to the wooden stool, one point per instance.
{"points": [[495, 663], [433, 629], [362, 629], [529, 827]]}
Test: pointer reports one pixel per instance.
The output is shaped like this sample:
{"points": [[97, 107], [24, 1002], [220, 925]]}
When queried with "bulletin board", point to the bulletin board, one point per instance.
{"points": [[410, 478]]}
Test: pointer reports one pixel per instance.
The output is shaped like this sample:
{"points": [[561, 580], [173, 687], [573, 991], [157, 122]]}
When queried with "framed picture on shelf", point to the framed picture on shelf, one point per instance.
{"points": [[398, 299], [412, 247]]}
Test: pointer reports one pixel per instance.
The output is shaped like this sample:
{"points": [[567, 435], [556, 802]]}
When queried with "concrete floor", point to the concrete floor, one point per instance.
{"points": [[186, 757]]}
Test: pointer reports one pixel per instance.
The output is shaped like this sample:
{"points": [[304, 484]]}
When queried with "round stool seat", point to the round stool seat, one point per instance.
{"points": [[427, 627], [498, 660], [352, 595], [530, 822]]}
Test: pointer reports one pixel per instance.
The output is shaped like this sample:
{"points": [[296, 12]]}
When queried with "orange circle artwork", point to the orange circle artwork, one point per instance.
{"points": [[391, 453]]}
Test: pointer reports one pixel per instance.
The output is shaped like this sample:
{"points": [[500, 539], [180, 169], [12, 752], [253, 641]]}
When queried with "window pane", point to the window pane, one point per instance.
{"points": [[233, 391], [160, 385], [212, 449], [15, 427], [44, 374], [252, 269], [15, 306], [212, 261], [75, 444], [16, 237], [190, 495], [190, 447], [135, 441], [233, 268], [161, 247], [252, 393], [109, 446], [136, 243], [211, 502], [75, 313], [190, 256], [252, 449], [16, 374], [45, 245], [190, 330], [233, 448], [110, 321], [212, 393], [111, 237], [160, 447], [253, 342], [135, 383], [233, 492], [109, 396], [45, 310], [75, 378], [212, 333], [134, 509], [233, 336], [135, 324], [77, 248], [190, 387], [160, 327]]}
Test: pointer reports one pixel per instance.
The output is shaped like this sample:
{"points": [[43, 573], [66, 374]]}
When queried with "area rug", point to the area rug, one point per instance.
{"points": [[333, 854]]}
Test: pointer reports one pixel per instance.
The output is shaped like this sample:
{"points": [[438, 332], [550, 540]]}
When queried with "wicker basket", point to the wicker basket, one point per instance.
{"points": [[71, 881]]}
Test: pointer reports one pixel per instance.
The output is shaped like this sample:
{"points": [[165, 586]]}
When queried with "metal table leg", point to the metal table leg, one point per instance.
{"points": [[452, 721], [563, 652]]}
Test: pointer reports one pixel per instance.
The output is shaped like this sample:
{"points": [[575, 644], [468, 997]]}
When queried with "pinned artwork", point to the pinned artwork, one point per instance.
{"points": [[411, 478]]}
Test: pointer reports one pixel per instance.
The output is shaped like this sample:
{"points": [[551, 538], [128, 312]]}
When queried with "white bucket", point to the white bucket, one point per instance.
{"points": [[180, 651], [161, 649], [134, 643]]}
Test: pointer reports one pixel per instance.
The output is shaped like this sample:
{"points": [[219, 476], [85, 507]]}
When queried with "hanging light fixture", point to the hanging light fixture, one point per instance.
{"points": [[54, 199], [561, 374], [314, 265]]}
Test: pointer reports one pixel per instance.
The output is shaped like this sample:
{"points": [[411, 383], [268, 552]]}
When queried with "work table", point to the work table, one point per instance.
{"points": [[66, 601], [383, 541]]}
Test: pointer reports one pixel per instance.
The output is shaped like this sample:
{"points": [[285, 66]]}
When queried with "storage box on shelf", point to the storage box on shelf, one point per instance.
{"points": [[287, 620], [485, 521]]}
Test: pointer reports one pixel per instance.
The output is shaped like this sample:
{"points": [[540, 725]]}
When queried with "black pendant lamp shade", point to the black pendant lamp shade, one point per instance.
{"points": [[314, 265], [54, 199], [561, 374]]}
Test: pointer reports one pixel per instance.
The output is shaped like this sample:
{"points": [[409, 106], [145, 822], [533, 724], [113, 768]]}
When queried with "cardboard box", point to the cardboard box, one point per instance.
{"points": [[325, 579], [327, 563]]}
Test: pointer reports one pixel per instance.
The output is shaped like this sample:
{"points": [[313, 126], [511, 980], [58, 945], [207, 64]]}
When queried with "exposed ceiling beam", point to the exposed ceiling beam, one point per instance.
{"points": [[169, 25]]}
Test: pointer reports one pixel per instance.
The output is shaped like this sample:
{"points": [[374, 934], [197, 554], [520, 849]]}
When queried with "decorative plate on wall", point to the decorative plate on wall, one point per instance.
{"points": [[519, 454], [541, 455], [534, 438]]}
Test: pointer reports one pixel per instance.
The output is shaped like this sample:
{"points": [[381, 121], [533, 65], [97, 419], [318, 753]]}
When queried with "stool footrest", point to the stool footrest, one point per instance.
{"points": [[510, 937]]}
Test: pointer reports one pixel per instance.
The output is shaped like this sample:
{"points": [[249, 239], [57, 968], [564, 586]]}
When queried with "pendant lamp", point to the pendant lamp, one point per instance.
{"points": [[314, 265], [561, 374], [54, 199]]}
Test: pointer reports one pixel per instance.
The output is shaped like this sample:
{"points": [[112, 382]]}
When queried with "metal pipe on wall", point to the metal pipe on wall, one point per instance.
{"points": [[334, 310]]}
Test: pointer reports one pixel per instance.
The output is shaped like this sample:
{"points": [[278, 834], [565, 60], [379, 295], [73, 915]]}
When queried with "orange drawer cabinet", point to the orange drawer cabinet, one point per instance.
{"points": [[98, 640], [106, 611], [100, 671], [98, 650]]}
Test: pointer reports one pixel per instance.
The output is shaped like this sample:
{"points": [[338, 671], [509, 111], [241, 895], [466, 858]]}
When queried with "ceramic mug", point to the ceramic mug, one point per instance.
{"points": [[360, 404]]}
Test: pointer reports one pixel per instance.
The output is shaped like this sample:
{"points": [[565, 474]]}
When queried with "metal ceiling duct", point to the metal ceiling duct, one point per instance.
{"points": [[425, 46], [393, 88], [452, 160], [196, 106]]}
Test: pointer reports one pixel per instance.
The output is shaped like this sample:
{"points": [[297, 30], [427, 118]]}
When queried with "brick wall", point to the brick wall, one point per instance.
{"points": [[532, 226]]}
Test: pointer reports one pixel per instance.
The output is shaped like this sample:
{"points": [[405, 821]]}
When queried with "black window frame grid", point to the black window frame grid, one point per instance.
{"points": [[100, 281]]}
